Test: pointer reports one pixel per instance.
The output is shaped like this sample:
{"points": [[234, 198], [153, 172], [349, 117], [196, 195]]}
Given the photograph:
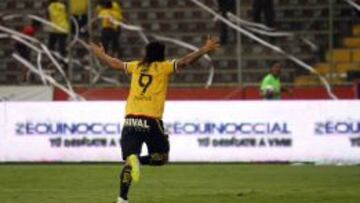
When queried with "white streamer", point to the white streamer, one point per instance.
{"points": [[270, 34], [263, 30], [4, 36], [39, 65], [312, 46], [58, 67], [76, 39], [53, 60], [143, 36], [267, 44], [167, 39], [17, 36], [26, 43], [16, 33], [128, 27], [312, 70], [353, 4], [76, 36], [11, 17], [48, 78], [46, 22], [236, 19]]}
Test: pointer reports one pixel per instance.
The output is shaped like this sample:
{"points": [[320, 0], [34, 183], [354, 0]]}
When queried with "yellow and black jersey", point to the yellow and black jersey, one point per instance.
{"points": [[115, 13], [148, 87], [58, 16], [106, 16]]}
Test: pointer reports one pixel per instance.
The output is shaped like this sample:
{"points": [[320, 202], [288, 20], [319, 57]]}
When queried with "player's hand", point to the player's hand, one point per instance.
{"points": [[211, 44], [98, 50]]}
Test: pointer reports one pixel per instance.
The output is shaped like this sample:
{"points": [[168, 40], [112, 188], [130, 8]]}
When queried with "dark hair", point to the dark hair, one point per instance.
{"points": [[155, 51]]}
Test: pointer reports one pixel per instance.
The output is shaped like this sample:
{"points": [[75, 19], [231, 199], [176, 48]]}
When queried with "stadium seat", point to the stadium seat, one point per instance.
{"points": [[306, 80], [356, 55], [356, 30], [352, 42], [339, 55], [346, 67], [322, 68]]}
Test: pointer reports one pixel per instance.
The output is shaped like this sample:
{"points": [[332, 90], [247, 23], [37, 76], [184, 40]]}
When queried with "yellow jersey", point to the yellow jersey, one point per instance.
{"points": [[79, 7], [148, 88], [106, 16], [58, 16], [117, 12]]}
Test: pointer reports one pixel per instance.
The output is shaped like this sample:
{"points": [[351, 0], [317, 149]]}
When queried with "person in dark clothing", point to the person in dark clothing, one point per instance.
{"points": [[224, 7], [28, 30], [78, 10], [265, 7], [57, 13], [23, 50], [109, 30]]}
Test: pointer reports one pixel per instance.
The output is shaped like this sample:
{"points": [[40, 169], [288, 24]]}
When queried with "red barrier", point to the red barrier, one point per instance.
{"points": [[216, 93]]}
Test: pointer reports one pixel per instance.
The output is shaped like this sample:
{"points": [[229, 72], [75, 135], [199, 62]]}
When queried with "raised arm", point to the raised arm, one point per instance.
{"points": [[112, 62], [210, 45]]}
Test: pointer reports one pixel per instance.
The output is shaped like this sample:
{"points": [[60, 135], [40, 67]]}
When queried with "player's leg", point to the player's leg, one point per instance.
{"points": [[155, 159], [269, 13], [106, 38], [52, 41], [257, 11], [158, 146], [133, 161], [62, 44], [131, 146], [125, 181]]}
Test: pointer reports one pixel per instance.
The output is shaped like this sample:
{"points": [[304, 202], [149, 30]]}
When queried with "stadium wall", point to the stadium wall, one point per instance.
{"points": [[214, 93], [26, 93], [200, 131]]}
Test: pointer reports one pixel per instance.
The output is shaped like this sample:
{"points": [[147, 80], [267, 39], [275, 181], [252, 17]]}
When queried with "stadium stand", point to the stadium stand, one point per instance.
{"points": [[185, 21], [340, 62]]}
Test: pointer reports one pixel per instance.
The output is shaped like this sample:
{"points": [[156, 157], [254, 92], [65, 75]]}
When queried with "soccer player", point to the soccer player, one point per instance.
{"points": [[145, 106], [271, 87]]}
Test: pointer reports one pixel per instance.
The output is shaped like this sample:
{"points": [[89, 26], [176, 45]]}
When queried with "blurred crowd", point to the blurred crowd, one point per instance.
{"points": [[72, 17]]}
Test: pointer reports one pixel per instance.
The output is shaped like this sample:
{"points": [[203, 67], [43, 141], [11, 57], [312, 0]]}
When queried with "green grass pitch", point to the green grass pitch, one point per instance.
{"points": [[190, 183]]}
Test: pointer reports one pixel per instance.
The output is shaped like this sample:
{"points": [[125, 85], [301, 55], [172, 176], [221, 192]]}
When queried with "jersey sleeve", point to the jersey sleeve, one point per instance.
{"points": [[170, 66], [130, 66]]}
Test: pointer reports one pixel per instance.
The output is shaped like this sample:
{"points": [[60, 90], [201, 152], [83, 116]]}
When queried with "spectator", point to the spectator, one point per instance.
{"points": [[78, 10], [28, 30], [270, 85], [115, 7], [226, 6], [265, 7], [109, 11], [23, 50], [58, 16]]}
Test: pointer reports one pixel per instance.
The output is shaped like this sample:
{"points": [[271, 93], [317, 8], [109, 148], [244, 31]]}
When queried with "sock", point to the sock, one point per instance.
{"points": [[125, 181]]}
